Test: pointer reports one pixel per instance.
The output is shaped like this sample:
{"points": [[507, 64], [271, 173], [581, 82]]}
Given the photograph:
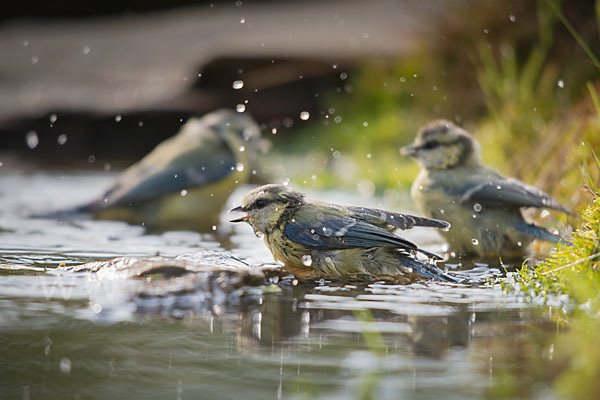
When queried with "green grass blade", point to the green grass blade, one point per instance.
{"points": [[574, 33], [594, 96]]}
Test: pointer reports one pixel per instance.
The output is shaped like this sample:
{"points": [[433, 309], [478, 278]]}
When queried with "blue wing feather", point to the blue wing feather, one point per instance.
{"points": [[346, 233]]}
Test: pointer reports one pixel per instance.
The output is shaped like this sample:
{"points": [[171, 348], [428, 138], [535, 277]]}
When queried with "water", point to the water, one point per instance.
{"points": [[182, 328]]}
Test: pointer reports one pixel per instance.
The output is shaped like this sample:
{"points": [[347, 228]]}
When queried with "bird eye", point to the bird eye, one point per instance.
{"points": [[430, 144], [260, 203]]}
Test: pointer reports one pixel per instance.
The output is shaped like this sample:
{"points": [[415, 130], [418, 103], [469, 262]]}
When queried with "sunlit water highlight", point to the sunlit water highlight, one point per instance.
{"points": [[118, 333]]}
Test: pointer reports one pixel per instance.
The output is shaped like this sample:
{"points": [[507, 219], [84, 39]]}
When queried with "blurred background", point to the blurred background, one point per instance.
{"points": [[338, 86], [88, 88]]}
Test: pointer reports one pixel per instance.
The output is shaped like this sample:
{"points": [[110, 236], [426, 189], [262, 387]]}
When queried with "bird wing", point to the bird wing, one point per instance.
{"points": [[335, 228], [395, 220], [174, 165], [507, 192]]}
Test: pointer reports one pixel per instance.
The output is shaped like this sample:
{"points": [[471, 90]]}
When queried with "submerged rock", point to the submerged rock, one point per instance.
{"points": [[176, 287]]}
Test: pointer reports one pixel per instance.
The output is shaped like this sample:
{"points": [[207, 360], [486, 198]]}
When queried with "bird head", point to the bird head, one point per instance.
{"points": [[266, 205], [239, 130], [441, 145]]}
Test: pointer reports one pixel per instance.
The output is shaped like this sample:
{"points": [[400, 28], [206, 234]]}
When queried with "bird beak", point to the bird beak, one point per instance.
{"points": [[411, 151], [263, 146], [243, 218]]}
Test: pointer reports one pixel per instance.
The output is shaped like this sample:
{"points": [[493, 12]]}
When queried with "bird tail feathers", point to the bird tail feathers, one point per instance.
{"points": [[68, 213], [538, 233], [428, 270]]}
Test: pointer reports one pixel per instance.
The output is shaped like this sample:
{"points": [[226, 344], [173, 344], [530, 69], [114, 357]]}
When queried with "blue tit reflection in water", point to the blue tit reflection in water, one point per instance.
{"points": [[315, 238], [184, 182], [483, 206]]}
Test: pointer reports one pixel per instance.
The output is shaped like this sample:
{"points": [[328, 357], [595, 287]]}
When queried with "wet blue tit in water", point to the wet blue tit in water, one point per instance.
{"points": [[184, 182], [334, 240], [484, 207]]}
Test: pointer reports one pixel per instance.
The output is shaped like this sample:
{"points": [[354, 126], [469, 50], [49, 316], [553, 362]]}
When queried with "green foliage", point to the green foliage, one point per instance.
{"points": [[356, 140], [537, 122], [572, 268], [527, 110]]}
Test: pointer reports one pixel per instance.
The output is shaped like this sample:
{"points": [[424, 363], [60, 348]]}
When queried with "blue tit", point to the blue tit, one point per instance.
{"points": [[332, 240], [184, 182], [484, 207]]}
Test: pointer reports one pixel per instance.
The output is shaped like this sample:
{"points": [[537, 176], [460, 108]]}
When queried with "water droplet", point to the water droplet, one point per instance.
{"points": [[519, 244], [274, 131], [307, 260], [498, 187], [365, 123], [238, 3], [338, 119], [259, 235], [214, 227], [343, 76], [368, 155], [485, 30], [242, 148], [97, 308], [336, 154], [560, 83], [365, 35], [304, 115], [118, 118], [475, 242], [242, 20], [65, 365], [25, 43], [328, 260], [53, 118], [545, 213], [512, 18], [331, 110], [32, 139], [240, 108], [314, 177], [61, 139], [442, 211], [239, 167], [477, 207], [183, 193], [35, 59], [86, 49], [237, 84]]}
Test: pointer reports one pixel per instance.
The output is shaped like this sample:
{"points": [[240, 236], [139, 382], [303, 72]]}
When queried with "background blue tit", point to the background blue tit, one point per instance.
{"points": [[184, 182], [483, 206], [335, 240]]}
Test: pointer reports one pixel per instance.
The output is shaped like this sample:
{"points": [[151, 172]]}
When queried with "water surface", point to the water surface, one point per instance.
{"points": [[112, 334]]}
